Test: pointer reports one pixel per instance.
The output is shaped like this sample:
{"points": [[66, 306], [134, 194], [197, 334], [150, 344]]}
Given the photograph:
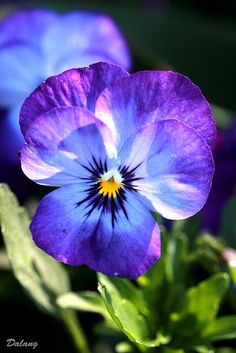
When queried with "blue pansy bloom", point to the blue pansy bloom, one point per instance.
{"points": [[36, 44], [118, 146]]}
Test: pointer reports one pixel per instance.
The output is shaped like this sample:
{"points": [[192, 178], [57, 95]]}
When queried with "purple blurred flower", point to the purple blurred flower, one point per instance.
{"points": [[224, 181], [37, 44], [118, 146]]}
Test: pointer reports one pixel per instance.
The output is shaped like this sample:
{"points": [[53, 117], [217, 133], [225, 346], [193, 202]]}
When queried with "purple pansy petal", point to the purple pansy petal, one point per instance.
{"points": [[99, 34], [176, 167], [62, 230], [77, 87], [18, 63], [59, 142], [26, 26], [150, 96]]}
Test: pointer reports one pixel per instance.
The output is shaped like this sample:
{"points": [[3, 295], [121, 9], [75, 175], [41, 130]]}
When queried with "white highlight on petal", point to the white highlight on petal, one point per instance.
{"points": [[113, 173], [111, 150], [68, 154]]}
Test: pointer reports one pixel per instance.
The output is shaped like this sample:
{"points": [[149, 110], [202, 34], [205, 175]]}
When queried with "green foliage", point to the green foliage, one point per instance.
{"points": [[174, 308], [200, 309], [126, 307], [41, 276], [179, 317], [203, 300], [83, 301], [221, 329]]}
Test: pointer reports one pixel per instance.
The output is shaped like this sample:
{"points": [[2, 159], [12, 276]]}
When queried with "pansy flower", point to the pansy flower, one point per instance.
{"points": [[36, 44], [117, 146]]}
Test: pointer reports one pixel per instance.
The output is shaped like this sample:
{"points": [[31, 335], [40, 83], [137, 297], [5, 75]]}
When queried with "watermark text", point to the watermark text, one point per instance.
{"points": [[11, 342]]}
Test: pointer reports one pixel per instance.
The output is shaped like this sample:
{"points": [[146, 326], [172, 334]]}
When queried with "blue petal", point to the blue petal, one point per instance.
{"points": [[61, 228], [81, 32], [148, 96], [26, 26], [60, 142], [21, 70], [78, 59], [176, 167]]}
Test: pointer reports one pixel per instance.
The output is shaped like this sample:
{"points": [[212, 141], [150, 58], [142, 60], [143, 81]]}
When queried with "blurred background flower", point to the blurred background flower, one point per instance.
{"points": [[36, 44]]}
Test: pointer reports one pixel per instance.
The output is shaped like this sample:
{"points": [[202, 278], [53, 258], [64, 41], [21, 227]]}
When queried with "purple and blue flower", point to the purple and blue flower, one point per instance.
{"points": [[36, 44], [117, 146]]}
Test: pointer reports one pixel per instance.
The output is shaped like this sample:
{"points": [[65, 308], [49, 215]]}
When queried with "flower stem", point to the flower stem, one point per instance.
{"points": [[74, 328]]}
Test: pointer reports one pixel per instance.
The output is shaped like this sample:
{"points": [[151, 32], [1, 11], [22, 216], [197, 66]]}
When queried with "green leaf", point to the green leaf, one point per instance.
{"points": [[41, 276], [204, 349], [124, 347], [200, 308], [126, 309], [167, 276], [176, 256], [203, 301], [83, 301], [228, 227], [221, 329], [128, 291], [122, 309]]}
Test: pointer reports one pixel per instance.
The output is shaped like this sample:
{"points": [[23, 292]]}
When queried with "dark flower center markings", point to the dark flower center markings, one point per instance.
{"points": [[107, 190]]}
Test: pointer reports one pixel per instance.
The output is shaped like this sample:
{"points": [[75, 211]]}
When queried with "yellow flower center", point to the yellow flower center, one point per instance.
{"points": [[109, 187]]}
